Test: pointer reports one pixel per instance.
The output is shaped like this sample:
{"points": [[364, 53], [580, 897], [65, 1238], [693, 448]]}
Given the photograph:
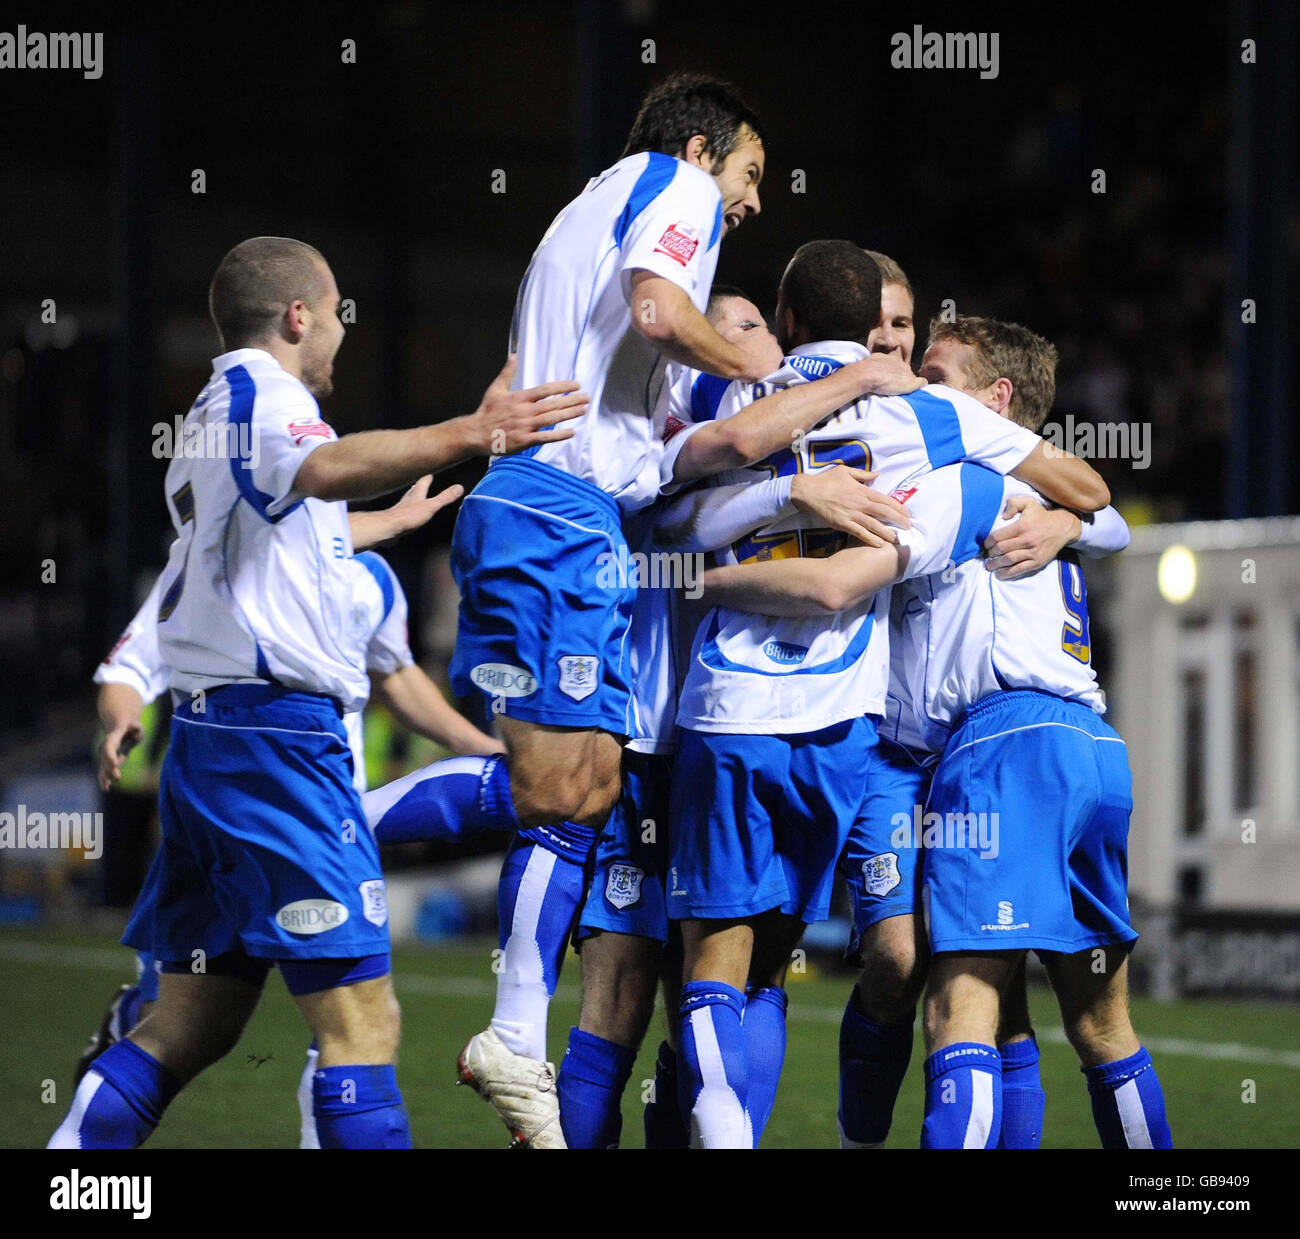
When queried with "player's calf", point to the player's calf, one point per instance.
{"points": [[713, 1061], [620, 973], [196, 1021], [963, 1073], [357, 1025], [876, 1031], [1023, 1098], [1128, 1104]]}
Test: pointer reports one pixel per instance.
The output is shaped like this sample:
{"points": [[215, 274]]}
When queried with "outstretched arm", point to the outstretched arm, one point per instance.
{"points": [[799, 587], [373, 462], [839, 498], [776, 421], [413, 509], [418, 704], [1063, 478]]}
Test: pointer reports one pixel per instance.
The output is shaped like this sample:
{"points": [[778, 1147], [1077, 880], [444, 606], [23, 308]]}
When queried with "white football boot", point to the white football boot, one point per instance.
{"points": [[520, 1089]]}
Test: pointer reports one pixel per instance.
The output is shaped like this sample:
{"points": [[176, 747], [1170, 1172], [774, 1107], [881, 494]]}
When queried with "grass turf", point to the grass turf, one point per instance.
{"points": [[56, 986]]}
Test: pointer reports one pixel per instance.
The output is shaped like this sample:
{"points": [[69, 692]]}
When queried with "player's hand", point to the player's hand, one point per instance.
{"points": [[509, 421], [113, 750], [884, 374], [416, 508], [1032, 542], [841, 498]]}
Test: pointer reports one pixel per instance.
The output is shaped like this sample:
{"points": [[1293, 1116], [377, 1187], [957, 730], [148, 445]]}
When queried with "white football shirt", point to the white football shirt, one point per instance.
{"points": [[376, 634], [649, 212], [769, 675], [965, 634], [256, 588]]}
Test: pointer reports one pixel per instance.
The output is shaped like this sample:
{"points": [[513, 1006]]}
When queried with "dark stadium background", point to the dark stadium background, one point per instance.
{"points": [[981, 189]]}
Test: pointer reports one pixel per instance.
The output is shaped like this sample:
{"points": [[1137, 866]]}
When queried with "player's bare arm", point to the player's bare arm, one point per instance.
{"points": [[1064, 479], [800, 587], [414, 509], [418, 704], [839, 498], [664, 314], [772, 423], [373, 462], [120, 708]]}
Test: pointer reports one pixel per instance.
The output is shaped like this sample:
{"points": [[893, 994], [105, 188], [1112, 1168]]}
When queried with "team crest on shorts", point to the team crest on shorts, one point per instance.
{"points": [[374, 903], [881, 873], [578, 676], [623, 885]]}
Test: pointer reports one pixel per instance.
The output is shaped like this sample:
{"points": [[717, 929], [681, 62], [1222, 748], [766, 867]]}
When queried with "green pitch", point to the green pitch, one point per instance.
{"points": [[55, 986]]}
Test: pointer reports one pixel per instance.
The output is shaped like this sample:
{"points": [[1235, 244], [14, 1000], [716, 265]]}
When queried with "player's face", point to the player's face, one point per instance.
{"points": [[949, 362], [896, 332], [321, 343], [738, 178], [740, 322]]}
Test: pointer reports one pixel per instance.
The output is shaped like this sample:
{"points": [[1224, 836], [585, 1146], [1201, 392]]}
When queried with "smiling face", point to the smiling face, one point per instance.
{"points": [[739, 321], [896, 331], [738, 177]]}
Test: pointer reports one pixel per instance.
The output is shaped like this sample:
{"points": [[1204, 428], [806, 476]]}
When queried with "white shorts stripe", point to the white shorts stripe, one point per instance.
{"points": [[1031, 727]]}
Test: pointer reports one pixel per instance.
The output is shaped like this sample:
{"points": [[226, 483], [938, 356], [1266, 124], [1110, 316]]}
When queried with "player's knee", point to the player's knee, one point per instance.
{"points": [[543, 797], [891, 982], [599, 804], [1100, 1037]]}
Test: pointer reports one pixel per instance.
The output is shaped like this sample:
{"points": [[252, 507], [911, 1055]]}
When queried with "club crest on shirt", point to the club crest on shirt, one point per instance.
{"points": [[881, 873], [374, 902], [679, 242], [578, 676], [623, 885]]}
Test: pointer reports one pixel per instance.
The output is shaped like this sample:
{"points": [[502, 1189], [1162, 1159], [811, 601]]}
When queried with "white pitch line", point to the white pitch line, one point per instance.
{"points": [[118, 959]]}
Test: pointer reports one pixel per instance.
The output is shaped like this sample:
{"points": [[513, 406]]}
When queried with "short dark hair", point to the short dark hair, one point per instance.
{"points": [[1006, 350], [833, 290], [686, 104], [257, 281], [717, 295]]}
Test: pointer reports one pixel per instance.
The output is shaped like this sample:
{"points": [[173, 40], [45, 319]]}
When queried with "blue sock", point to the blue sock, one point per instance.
{"points": [[538, 896], [118, 1102], [447, 802], [592, 1078], [873, 1061], [1128, 1104], [1023, 1099], [712, 1066], [359, 1108], [963, 1097], [764, 1027], [664, 1125]]}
